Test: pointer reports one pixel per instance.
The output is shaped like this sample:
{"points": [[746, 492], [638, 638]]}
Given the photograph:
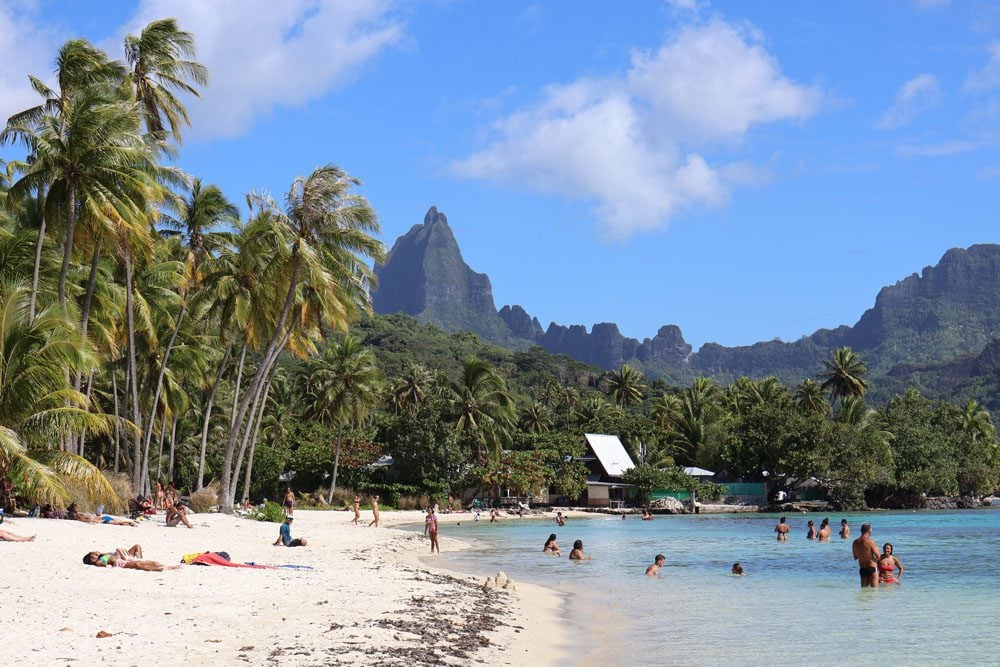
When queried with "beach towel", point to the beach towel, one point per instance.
{"points": [[215, 559]]}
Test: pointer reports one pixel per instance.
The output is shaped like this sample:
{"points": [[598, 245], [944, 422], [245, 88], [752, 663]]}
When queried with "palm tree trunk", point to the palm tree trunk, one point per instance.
{"points": [[236, 390], [173, 448], [136, 411], [37, 269], [272, 350], [118, 433], [159, 454], [89, 393], [336, 462], [159, 378], [253, 445], [68, 247], [208, 416]]}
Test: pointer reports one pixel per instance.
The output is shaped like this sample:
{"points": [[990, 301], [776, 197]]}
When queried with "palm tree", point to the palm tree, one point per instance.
{"points": [[37, 405], [482, 409], [626, 386], [593, 409], [160, 62], [844, 374], [343, 386], [810, 398], [666, 410], [411, 389], [327, 232], [536, 418], [977, 423]]}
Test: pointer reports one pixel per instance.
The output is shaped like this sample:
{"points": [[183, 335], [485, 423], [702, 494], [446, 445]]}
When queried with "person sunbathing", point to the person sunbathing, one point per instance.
{"points": [[11, 537], [130, 559], [74, 514]]}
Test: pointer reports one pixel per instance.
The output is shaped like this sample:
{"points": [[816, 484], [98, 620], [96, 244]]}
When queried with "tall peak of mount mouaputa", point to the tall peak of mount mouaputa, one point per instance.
{"points": [[424, 275]]}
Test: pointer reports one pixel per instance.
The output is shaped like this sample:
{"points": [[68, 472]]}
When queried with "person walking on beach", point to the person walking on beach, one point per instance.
{"points": [[431, 529], [845, 530], [577, 552], [866, 553], [374, 521], [357, 510], [289, 501], [782, 530], [654, 569]]}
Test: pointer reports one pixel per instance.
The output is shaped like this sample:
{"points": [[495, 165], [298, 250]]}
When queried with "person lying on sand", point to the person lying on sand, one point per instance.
{"points": [[125, 559], [11, 537], [75, 515], [654, 569], [177, 514]]}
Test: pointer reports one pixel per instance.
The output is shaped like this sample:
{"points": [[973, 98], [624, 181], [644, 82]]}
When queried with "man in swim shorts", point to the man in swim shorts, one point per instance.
{"points": [[782, 530], [654, 569], [867, 554]]}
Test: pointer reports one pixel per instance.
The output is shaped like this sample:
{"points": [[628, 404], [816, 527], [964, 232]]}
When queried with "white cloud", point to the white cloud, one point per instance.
{"points": [[919, 93], [633, 144], [25, 48], [988, 77], [264, 55]]}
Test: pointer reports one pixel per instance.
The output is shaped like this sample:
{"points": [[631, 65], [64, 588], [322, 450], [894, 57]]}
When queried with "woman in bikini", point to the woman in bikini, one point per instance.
{"points": [[374, 521], [431, 529], [160, 497], [887, 566], [357, 510], [551, 548], [129, 559]]}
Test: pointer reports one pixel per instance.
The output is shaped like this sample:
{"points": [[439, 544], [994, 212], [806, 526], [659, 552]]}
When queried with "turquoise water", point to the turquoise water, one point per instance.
{"points": [[800, 602]]}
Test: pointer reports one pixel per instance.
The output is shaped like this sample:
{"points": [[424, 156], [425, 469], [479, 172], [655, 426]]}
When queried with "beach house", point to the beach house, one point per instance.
{"points": [[606, 461]]}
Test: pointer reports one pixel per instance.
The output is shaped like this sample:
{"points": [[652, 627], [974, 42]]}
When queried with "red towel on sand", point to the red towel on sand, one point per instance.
{"points": [[215, 559]]}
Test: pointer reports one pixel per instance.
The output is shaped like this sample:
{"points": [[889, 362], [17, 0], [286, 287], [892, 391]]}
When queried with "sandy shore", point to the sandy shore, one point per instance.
{"points": [[368, 599]]}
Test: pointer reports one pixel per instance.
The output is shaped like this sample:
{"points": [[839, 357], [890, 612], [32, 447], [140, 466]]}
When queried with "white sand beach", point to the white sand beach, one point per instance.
{"points": [[369, 598]]}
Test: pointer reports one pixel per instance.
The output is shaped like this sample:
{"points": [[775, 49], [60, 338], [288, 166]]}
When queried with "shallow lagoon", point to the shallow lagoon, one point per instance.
{"points": [[800, 602]]}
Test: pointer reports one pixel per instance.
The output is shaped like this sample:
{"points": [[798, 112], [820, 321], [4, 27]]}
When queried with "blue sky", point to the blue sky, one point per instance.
{"points": [[746, 171]]}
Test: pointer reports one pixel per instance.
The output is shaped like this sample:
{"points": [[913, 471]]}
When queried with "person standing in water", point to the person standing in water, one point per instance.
{"points": [[782, 530], [654, 569], [811, 532], [374, 521], [866, 552], [431, 529], [887, 564], [357, 509], [737, 570], [577, 552], [845, 530], [824, 531], [551, 548]]}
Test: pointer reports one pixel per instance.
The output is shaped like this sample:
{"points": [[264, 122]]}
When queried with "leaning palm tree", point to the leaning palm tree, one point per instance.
{"points": [[626, 386], [161, 63], [844, 374], [482, 409], [38, 407], [327, 239], [343, 387]]}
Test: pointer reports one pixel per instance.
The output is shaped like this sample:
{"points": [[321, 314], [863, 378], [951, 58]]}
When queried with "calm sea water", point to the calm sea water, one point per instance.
{"points": [[800, 602]]}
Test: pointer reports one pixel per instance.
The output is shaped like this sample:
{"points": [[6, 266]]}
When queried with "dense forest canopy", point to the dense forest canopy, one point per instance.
{"points": [[150, 332]]}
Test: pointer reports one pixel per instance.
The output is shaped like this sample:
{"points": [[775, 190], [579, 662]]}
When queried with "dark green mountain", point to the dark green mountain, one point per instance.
{"points": [[948, 310]]}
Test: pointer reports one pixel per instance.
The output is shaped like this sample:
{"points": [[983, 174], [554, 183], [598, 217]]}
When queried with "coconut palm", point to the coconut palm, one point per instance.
{"points": [[343, 385], [327, 231], [626, 386], [844, 374], [536, 418], [666, 409], [411, 389], [810, 398], [977, 423], [37, 405], [482, 409], [161, 63], [593, 409]]}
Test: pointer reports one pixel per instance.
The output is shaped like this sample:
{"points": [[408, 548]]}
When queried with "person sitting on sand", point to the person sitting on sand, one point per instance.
{"points": [[811, 531], [431, 528], [285, 535], [845, 530], [551, 548], [374, 521], [123, 559], [654, 569], [782, 530], [737, 570], [11, 537], [75, 515], [887, 564], [177, 514], [577, 552]]}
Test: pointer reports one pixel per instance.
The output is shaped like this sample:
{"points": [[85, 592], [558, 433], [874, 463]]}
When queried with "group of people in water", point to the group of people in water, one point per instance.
{"points": [[875, 567]]}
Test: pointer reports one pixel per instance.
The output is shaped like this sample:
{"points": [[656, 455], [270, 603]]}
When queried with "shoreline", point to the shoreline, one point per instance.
{"points": [[372, 597]]}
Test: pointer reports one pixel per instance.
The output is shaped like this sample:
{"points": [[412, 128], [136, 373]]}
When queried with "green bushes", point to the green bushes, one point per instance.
{"points": [[272, 512]]}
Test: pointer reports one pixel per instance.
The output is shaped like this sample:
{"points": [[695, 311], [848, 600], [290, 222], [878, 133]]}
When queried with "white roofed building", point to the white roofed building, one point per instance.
{"points": [[607, 460]]}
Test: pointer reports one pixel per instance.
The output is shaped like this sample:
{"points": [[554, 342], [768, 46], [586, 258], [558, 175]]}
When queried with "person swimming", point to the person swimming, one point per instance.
{"points": [[737, 570], [551, 548]]}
